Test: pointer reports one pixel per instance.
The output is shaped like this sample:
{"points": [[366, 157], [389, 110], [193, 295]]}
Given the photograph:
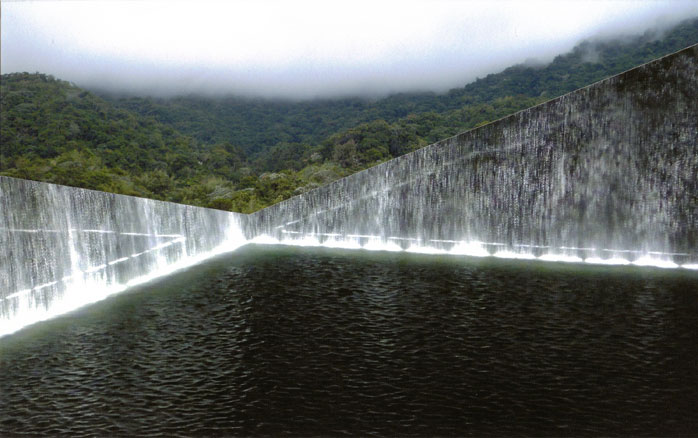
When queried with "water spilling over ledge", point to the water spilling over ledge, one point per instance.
{"points": [[606, 174], [64, 247], [603, 175]]}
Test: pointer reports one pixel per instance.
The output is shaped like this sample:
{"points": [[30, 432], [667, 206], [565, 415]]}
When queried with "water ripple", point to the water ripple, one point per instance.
{"points": [[287, 341]]}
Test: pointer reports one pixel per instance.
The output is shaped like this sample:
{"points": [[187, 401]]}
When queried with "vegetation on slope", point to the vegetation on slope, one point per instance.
{"points": [[257, 125], [242, 154]]}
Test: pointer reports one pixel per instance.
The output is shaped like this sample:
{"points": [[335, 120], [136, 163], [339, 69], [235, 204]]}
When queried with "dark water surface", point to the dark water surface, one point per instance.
{"points": [[291, 341]]}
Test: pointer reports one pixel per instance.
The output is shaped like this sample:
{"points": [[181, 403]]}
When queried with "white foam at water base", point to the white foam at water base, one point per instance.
{"points": [[340, 243], [84, 290], [375, 244], [560, 258], [655, 262], [610, 261], [514, 255], [472, 249], [425, 250]]}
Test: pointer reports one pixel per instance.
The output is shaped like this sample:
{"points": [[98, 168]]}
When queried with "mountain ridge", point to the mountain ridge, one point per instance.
{"points": [[54, 131]]}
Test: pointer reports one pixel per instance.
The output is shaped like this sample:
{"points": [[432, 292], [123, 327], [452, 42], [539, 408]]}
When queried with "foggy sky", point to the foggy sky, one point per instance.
{"points": [[304, 49]]}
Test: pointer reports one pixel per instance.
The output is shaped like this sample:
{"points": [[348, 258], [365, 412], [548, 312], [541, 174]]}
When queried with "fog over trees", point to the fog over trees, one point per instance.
{"points": [[305, 49], [243, 154]]}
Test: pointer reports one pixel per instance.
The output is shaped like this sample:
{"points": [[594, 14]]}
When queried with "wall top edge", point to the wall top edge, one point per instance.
{"points": [[10, 178], [468, 132]]}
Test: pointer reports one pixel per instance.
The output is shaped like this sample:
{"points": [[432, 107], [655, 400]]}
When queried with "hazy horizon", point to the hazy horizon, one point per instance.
{"points": [[305, 50]]}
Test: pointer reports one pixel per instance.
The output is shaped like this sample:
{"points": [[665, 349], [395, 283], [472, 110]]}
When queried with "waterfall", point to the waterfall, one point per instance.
{"points": [[64, 247], [606, 174]]}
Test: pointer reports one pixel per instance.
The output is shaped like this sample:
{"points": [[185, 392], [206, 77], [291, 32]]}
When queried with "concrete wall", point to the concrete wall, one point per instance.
{"points": [[63, 246], [606, 174], [609, 170]]}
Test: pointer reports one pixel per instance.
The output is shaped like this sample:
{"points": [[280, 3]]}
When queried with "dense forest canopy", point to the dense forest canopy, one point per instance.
{"points": [[243, 154]]}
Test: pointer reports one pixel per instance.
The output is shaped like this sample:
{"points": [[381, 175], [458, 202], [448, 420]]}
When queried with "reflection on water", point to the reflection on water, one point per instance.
{"points": [[281, 340]]}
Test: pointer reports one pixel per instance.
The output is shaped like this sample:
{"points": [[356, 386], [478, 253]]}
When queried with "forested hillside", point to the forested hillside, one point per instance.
{"points": [[243, 154], [53, 131], [257, 125]]}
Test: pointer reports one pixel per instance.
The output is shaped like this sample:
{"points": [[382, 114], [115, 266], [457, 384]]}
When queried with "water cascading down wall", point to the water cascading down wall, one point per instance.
{"points": [[606, 174], [64, 247]]}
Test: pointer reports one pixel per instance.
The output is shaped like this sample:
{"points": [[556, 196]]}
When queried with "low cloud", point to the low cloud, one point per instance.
{"points": [[306, 49]]}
